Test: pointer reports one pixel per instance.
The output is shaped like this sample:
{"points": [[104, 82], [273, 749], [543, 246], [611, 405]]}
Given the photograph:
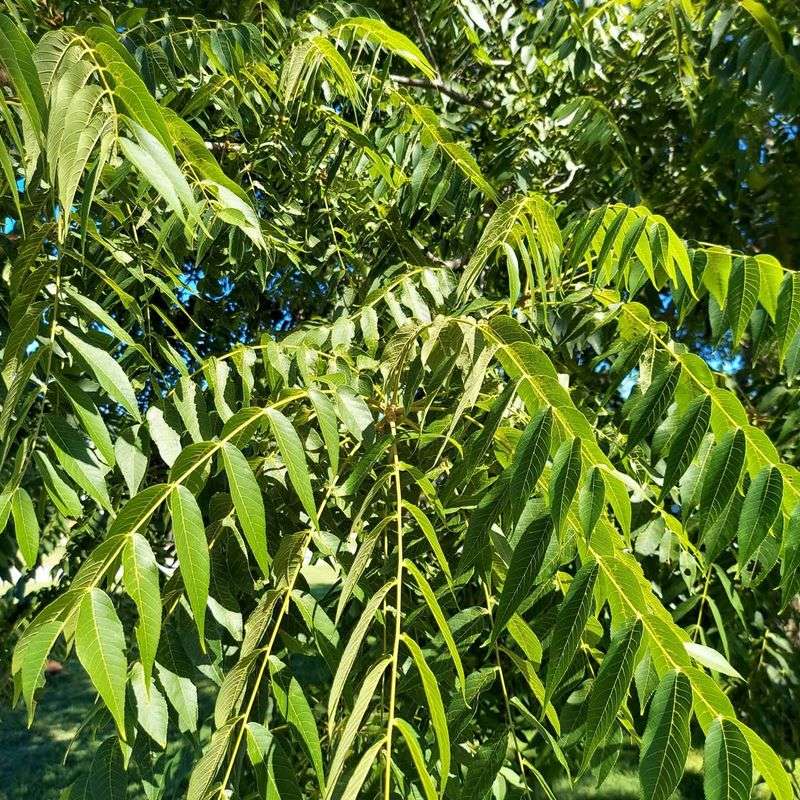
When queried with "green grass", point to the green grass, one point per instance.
{"points": [[31, 760]]}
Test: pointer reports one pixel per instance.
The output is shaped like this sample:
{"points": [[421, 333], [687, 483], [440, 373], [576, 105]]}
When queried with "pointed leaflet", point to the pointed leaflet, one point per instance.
{"points": [[78, 460], [526, 560], [743, 288], [206, 768], [351, 728], [136, 513], [483, 768], [351, 651], [727, 765], [108, 372], [790, 563], [158, 167], [275, 775], [100, 644], [685, 442], [648, 411], [564, 481], [412, 742], [26, 526], [591, 501], [294, 458], [441, 622], [435, 709], [787, 315], [130, 449], [353, 788], [761, 507], [106, 779], [294, 708], [38, 643], [248, 502], [722, 473], [192, 547], [569, 626], [610, 687], [140, 576], [152, 713], [529, 459], [328, 425], [90, 417], [666, 740]]}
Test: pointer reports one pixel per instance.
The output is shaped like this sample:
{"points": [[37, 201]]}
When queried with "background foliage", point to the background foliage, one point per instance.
{"points": [[402, 401]]}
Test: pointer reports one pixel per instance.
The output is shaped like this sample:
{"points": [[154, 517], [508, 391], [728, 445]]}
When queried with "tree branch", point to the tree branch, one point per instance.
{"points": [[442, 88]]}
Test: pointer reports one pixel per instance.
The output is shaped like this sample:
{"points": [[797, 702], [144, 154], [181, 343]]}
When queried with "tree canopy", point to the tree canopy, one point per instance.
{"points": [[402, 400]]}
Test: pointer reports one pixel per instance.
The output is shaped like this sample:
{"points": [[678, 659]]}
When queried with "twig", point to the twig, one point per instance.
{"points": [[442, 88]]}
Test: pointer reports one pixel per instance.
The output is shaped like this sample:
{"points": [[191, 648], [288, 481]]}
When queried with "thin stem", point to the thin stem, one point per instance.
{"points": [[504, 691], [387, 787]]}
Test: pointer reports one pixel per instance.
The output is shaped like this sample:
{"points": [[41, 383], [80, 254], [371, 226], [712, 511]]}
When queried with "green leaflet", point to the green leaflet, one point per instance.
{"points": [[108, 372], [743, 289], [685, 442], [787, 314], [666, 740], [294, 708], [90, 418], [351, 651], [328, 425], [100, 645], [709, 657], [26, 526], [652, 405], [131, 451], [40, 639], [412, 742], [727, 765], [483, 768], [353, 788], [569, 626], [275, 774], [248, 503], [294, 458], [435, 708], [136, 513], [206, 768], [429, 532], [526, 561], [790, 565], [230, 692], [158, 167], [77, 459], [610, 687], [760, 509], [192, 548], [84, 126], [530, 456], [61, 493], [564, 481], [140, 576], [107, 778], [591, 501], [151, 706], [722, 473], [441, 621], [353, 724], [166, 439]]}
